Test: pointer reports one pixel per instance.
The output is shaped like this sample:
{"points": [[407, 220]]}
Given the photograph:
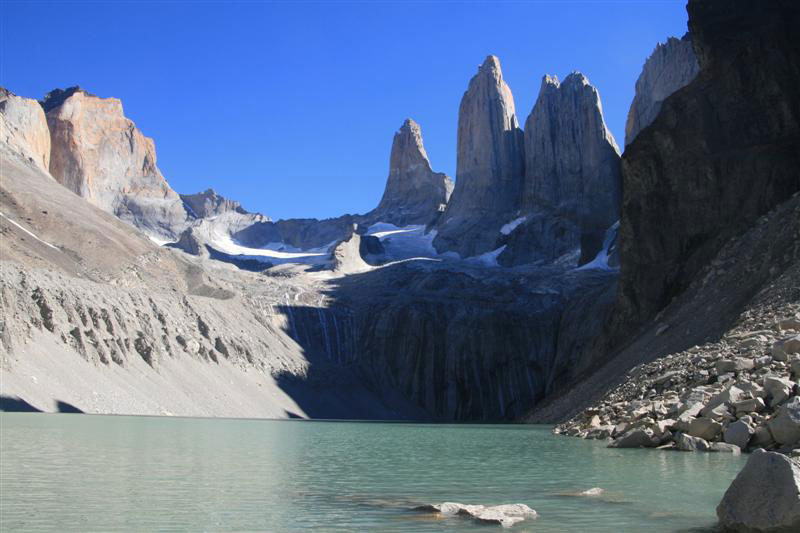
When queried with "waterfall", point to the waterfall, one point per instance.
{"points": [[324, 324]]}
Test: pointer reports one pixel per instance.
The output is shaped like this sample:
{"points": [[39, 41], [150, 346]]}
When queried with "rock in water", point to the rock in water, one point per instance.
{"points": [[572, 163], [414, 193], [672, 65], [100, 155], [489, 166], [23, 128], [503, 515], [765, 496]]}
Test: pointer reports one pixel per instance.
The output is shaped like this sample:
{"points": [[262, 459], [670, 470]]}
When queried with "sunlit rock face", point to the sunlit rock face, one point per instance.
{"points": [[23, 128], [414, 193], [572, 174], [102, 156], [489, 166], [671, 66]]}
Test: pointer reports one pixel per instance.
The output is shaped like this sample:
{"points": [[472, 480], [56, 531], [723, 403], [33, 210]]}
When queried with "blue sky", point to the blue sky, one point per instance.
{"points": [[290, 107]]}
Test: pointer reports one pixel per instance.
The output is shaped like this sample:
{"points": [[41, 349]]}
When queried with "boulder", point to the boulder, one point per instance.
{"points": [[778, 389], [725, 447], [730, 394], [785, 427], [733, 365], [765, 496], [705, 428], [792, 322], [738, 433], [687, 443], [751, 405], [782, 349], [636, 438]]}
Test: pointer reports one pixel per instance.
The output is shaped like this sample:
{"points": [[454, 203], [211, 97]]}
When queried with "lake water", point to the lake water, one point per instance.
{"points": [[120, 473]]}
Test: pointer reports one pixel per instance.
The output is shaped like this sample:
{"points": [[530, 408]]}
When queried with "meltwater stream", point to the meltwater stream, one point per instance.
{"points": [[124, 473]]}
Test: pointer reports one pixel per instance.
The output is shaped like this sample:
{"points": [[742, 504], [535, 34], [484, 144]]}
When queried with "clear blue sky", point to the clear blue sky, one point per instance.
{"points": [[290, 108]]}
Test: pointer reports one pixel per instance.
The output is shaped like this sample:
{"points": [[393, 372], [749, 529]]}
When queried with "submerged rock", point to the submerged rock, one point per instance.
{"points": [[765, 496]]}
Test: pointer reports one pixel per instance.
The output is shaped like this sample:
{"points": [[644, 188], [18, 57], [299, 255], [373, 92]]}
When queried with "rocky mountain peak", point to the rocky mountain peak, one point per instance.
{"points": [[414, 193], [208, 203], [572, 161], [23, 128], [407, 148], [100, 154], [671, 66], [489, 164], [56, 97]]}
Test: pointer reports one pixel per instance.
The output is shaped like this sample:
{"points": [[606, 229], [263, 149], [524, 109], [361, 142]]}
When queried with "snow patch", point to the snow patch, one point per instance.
{"points": [[29, 232], [511, 226], [160, 242], [600, 262]]}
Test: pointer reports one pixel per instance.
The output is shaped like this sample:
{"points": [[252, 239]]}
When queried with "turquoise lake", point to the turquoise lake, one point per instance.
{"points": [[65, 472]]}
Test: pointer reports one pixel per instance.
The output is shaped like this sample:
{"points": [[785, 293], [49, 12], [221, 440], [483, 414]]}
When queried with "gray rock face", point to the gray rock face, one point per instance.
{"points": [[23, 128], [100, 154], [489, 165], [672, 65], [765, 496], [209, 203], [414, 193], [572, 163]]}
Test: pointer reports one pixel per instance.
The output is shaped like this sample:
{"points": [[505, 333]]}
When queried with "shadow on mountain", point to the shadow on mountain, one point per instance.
{"points": [[418, 340], [64, 407], [12, 404]]}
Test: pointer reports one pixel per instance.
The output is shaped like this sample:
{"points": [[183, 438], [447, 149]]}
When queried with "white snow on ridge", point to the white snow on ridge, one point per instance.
{"points": [[511, 226], [29, 232]]}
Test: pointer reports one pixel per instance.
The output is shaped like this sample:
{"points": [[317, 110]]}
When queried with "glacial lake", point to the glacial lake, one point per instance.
{"points": [[61, 472]]}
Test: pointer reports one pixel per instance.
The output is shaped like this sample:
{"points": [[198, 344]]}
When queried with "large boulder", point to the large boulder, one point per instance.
{"points": [[785, 427], [705, 428], [765, 496], [738, 433], [782, 349], [636, 438]]}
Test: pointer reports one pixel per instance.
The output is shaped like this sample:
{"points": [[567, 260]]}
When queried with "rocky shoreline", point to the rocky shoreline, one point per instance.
{"points": [[736, 394]]}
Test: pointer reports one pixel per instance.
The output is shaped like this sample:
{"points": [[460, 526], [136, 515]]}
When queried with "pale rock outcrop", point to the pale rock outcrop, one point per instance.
{"points": [[765, 496], [572, 163], [23, 128], [414, 193], [672, 65], [346, 255], [102, 156], [489, 166]]}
